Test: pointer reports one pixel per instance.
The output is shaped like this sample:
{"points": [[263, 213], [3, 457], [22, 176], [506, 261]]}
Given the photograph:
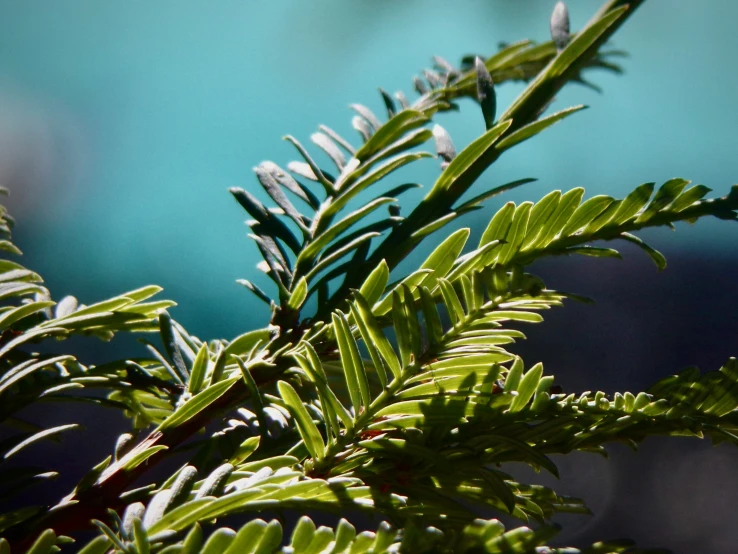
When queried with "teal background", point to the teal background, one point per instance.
{"points": [[123, 123]]}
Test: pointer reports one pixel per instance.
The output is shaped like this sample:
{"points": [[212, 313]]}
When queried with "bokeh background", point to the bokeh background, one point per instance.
{"points": [[123, 123]]}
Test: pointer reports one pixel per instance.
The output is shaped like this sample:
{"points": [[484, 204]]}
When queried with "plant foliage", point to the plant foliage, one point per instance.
{"points": [[402, 400]]}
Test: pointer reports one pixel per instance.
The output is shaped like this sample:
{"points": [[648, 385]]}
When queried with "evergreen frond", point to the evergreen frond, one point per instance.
{"points": [[399, 397]]}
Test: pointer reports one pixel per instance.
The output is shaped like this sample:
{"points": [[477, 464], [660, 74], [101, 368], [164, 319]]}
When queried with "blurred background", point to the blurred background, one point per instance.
{"points": [[122, 124]]}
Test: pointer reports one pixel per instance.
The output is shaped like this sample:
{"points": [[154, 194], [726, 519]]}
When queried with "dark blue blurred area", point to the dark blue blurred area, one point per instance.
{"points": [[123, 123]]}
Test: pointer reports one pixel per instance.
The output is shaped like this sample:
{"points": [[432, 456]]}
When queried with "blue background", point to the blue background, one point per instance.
{"points": [[123, 123]]}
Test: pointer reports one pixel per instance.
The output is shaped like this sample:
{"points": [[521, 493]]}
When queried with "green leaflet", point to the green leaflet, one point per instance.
{"points": [[270, 540], [7, 265], [473, 360], [116, 303], [147, 308], [197, 375], [330, 256], [331, 405], [412, 281], [666, 194], [322, 240], [131, 462], [516, 234], [385, 537], [433, 327], [514, 375], [558, 220], [244, 343], [371, 178], [532, 129], [321, 540], [594, 251], [353, 366], [102, 321], [303, 534], [498, 225], [21, 371], [527, 387], [467, 157], [480, 338], [18, 289], [687, 198], [603, 219], [345, 534], [439, 386], [452, 302], [107, 306], [16, 314], [197, 403], [193, 541], [275, 462], [435, 225], [99, 545], [633, 203], [472, 300], [540, 213], [46, 433], [479, 372], [450, 409], [219, 541], [403, 122], [517, 315], [377, 337], [218, 366], [255, 394], [374, 285], [586, 213], [247, 537], [442, 259], [298, 295], [244, 451], [403, 329], [416, 343], [44, 544], [479, 258], [8, 246], [140, 294], [366, 336], [405, 142], [140, 539], [657, 257]]}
